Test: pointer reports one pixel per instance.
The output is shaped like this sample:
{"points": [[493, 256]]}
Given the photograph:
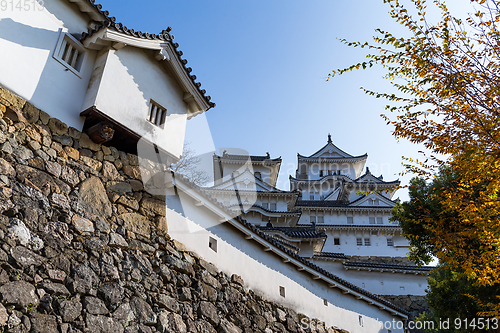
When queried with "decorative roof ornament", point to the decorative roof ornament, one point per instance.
{"points": [[368, 171], [329, 138]]}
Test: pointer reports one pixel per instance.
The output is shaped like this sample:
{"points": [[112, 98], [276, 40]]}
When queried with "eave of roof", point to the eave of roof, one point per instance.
{"points": [[331, 255], [262, 183], [245, 158], [300, 233], [283, 212], [332, 159], [299, 180], [339, 204], [388, 267], [373, 227]]}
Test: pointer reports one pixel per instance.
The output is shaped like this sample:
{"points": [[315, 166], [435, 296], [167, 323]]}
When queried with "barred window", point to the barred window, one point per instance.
{"points": [[70, 53], [157, 114]]}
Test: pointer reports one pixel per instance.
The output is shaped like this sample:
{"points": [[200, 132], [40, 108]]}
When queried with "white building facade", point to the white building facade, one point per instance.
{"points": [[116, 84], [334, 215]]}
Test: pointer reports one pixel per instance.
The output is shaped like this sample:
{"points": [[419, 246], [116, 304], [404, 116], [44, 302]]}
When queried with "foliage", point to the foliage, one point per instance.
{"points": [[447, 75], [189, 166], [418, 216], [453, 296]]}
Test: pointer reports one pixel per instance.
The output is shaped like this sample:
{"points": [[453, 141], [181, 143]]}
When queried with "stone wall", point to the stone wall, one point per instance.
{"points": [[415, 305], [381, 260], [83, 248]]}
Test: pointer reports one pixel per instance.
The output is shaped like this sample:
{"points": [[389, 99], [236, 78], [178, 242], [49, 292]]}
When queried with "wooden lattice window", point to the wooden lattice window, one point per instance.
{"points": [[157, 114], [70, 53]]}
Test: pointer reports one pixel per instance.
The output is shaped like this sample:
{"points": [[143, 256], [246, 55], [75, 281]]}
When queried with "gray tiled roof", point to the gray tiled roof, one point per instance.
{"points": [[335, 255], [390, 266], [296, 232], [253, 158]]}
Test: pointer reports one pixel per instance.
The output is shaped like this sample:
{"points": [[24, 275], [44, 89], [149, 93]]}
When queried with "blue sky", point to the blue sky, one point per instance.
{"points": [[265, 64]]}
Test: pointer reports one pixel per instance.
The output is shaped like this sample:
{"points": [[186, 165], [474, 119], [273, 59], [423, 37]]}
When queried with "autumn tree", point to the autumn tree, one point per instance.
{"points": [[450, 294], [446, 75]]}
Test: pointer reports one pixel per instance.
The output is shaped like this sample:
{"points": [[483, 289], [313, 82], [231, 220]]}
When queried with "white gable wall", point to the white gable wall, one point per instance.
{"points": [[130, 79], [28, 40], [230, 168]]}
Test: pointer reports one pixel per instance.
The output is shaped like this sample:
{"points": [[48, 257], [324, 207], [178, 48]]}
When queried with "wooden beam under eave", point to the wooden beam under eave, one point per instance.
{"points": [[119, 45]]}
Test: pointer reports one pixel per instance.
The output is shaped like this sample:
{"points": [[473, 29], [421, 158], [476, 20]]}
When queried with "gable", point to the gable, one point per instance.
{"points": [[329, 151], [334, 195], [373, 199], [245, 181], [369, 178]]}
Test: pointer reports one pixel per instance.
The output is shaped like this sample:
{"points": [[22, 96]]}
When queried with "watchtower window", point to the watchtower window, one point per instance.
{"points": [[70, 53], [157, 114]]}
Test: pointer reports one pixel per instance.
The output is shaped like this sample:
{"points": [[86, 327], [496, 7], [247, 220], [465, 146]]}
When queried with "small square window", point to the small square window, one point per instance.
{"points": [[272, 206], [367, 241], [282, 291], [359, 241], [372, 220], [380, 220], [390, 242], [336, 241], [70, 53], [157, 114], [265, 205], [321, 219], [312, 219], [350, 220], [212, 243]]}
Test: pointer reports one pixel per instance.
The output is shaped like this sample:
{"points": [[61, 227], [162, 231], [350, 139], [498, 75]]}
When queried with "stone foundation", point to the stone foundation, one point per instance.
{"points": [[84, 248]]}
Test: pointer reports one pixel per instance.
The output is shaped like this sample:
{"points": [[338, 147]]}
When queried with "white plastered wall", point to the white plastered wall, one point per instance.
{"points": [[28, 39], [379, 283], [123, 88], [264, 272]]}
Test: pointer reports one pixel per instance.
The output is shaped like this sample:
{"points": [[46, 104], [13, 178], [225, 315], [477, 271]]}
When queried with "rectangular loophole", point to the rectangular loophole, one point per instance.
{"points": [[282, 291], [157, 114], [69, 52], [212, 243], [325, 302]]}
